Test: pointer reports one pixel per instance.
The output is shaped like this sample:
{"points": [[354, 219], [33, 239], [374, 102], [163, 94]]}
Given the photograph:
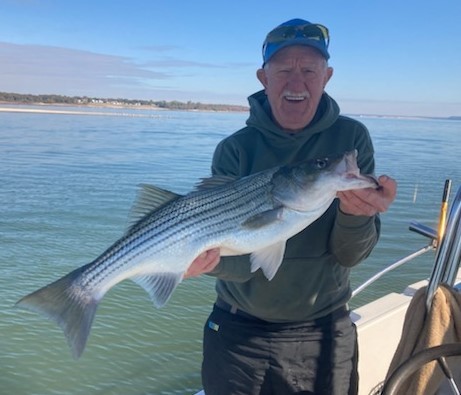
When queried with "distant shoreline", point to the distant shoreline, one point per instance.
{"points": [[43, 108], [18, 99], [89, 106], [20, 109]]}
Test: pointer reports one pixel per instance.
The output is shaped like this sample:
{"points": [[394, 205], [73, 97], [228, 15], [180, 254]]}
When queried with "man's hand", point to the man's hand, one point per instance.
{"points": [[369, 201], [204, 263]]}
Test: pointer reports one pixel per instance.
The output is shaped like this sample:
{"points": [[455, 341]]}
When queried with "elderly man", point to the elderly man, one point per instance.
{"points": [[292, 335]]}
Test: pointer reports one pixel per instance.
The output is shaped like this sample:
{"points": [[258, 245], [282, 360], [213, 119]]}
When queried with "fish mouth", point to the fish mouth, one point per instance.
{"points": [[352, 171], [371, 179]]}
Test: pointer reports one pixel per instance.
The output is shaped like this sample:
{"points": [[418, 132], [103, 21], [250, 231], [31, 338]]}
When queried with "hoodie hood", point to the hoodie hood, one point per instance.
{"points": [[261, 119]]}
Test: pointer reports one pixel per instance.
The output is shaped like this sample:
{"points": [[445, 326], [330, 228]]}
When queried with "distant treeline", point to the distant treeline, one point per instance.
{"points": [[18, 98]]}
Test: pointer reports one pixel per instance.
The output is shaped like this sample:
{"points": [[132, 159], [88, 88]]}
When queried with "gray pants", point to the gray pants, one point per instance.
{"points": [[247, 356]]}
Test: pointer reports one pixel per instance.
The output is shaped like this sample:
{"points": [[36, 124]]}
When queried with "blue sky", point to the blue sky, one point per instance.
{"points": [[392, 57]]}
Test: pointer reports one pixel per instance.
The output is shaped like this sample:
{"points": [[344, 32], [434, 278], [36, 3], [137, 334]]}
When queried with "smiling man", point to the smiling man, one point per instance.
{"points": [[294, 79], [293, 334]]}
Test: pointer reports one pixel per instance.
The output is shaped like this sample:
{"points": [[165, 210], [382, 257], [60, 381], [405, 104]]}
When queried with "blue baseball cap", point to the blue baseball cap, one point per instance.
{"points": [[296, 32]]}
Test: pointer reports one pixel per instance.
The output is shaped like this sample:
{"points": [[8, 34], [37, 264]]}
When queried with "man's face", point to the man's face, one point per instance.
{"points": [[294, 80]]}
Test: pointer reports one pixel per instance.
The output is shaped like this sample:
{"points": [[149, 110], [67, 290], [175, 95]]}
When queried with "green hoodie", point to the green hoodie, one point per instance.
{"points": [[313, 279]]}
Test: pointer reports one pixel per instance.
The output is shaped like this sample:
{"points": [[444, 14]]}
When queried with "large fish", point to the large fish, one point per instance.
{"points": [[251, 215]]}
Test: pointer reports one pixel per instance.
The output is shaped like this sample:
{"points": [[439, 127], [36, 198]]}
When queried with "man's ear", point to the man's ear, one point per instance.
{"points": [[261, 74], [329, 74]]}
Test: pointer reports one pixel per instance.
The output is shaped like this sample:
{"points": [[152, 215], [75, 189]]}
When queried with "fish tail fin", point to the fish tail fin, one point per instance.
{"points": [[68, 305]]}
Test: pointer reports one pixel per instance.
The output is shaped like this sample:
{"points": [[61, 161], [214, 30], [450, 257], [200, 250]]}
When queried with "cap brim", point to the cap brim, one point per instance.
{"points": [[273, 48]]}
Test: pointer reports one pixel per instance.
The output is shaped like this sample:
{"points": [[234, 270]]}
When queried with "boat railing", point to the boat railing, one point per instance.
{"points": [[391, 267], [446, 239], [448, 256]]}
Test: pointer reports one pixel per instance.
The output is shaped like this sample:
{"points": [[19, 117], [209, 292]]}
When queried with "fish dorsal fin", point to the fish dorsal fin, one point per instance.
{"points": [[268, 259], [214, 182], [159, 286], [148, 199]]}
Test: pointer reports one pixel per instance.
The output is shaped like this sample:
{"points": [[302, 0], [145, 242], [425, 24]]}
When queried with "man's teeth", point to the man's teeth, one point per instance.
{"points": [[297, 97]]}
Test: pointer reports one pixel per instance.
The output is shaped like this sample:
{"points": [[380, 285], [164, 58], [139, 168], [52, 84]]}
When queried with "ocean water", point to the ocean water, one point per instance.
{"points": [[67, 183]]}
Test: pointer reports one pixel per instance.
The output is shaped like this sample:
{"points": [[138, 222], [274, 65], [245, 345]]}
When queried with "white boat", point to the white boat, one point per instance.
{"points": [[380, 322]]}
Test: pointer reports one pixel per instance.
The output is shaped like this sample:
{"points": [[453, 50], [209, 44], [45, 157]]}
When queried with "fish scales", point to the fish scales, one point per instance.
{"points": [[182, 219], [254, 215]]}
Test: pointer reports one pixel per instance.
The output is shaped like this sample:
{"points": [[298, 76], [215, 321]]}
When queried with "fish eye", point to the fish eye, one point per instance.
{"points": [[321, 163]]}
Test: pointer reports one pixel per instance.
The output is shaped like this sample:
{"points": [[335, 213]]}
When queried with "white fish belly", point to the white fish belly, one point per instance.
{"points": [[246, 241]]}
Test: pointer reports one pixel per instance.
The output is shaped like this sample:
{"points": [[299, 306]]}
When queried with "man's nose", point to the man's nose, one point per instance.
{"points": [[296, 78]]}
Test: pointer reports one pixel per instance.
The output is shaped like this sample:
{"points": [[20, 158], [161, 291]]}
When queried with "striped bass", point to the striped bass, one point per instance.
{"points": [[253, 215]]}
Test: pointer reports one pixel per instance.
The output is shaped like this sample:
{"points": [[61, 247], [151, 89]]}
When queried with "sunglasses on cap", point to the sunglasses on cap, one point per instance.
{"points": [[309, 31]]}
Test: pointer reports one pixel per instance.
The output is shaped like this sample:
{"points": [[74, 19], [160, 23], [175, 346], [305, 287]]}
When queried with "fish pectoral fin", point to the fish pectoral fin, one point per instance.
{"points": [[263, 219], [159, 286], [268, 259]]}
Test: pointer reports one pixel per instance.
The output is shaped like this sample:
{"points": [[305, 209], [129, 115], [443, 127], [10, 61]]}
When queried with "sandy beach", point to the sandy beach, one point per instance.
{"points": [[91, 111], [47, 111]]}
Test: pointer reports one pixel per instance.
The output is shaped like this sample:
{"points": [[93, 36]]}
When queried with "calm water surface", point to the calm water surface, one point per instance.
{"points": [[67, 183]]}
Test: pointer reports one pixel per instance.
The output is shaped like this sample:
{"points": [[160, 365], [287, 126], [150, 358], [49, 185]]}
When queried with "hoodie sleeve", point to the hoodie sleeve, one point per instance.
{"points": [[353, 237]]}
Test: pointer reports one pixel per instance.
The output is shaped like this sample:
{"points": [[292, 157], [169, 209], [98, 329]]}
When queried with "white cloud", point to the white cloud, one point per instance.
{"points": [[48, 69], [42, 69]]}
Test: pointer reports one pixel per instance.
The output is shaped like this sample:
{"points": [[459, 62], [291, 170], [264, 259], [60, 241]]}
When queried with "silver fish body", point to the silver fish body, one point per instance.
{"points": [[252, 215]]}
